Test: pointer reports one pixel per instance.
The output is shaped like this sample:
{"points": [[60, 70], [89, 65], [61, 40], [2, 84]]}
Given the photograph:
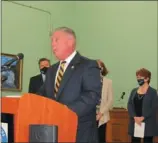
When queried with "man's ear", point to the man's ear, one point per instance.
{"points": [[70, 42]]}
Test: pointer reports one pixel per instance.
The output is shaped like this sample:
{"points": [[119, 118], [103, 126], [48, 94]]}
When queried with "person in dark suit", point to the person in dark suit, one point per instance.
{"points": [[37, 81], [75, 82], [142, 105]]}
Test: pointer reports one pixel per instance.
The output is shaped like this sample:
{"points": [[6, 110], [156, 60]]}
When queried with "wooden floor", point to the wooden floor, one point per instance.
{"points": [[117, 127]]}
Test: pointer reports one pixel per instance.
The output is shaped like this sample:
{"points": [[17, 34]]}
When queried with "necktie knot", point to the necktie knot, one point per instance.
{"points": [[63, 62]]}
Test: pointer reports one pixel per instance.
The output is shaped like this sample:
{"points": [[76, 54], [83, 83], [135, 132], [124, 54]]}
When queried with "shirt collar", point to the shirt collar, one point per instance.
{"points": [[68, 59]]}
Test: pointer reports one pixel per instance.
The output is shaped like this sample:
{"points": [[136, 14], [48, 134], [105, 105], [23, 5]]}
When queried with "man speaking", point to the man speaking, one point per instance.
{"points": [[75, 82]]}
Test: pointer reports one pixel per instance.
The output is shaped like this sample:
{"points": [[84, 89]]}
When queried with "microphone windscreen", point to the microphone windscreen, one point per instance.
{"points": [[20, 56]]}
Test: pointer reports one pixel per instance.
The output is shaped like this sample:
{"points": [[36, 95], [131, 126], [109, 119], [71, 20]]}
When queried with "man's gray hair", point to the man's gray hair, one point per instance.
{"points": [[66, 30]]}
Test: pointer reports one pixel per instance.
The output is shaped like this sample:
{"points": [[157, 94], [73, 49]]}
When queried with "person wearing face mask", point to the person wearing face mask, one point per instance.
{"points": [[142, 105], [103, 109], [37, 81]]}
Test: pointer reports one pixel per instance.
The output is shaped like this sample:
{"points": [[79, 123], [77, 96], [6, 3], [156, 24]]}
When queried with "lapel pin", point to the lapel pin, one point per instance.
{"points": [[72, 67]]}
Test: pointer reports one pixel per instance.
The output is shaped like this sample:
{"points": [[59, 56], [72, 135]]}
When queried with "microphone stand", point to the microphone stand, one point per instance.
{"points": [[120, 101]]}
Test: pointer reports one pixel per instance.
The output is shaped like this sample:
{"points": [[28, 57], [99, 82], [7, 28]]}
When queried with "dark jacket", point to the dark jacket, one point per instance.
{"points": [[149, 111], [35, 83], [80, 90]]}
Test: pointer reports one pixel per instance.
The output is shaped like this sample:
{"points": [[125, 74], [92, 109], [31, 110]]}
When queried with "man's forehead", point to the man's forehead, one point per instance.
{"points": [[44, 62], [58, 33]]}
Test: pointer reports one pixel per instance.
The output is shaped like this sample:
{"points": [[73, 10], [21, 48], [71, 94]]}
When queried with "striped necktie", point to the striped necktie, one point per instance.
{"points": [[59, 77]]}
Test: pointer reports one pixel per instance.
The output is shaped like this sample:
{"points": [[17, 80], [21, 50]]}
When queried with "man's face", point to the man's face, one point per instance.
{"points": [[44, 64], [61, 45]]}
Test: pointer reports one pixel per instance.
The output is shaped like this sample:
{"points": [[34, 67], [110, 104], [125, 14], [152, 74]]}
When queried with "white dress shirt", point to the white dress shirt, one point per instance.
{"points": [[43, 77]]}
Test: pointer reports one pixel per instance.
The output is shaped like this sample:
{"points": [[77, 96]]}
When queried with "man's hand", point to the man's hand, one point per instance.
{"points": [[99, 115]]}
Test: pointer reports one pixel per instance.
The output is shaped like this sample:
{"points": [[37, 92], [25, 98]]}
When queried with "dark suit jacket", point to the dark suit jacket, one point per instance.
{"points": [[149, 111], [80, 90], [35, 83]]}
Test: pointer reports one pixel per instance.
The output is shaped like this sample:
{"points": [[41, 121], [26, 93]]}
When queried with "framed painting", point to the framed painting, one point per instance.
{"points": [[11, 77]]}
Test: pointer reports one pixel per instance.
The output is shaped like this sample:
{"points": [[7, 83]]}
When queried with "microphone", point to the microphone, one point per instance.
{"points": [[17, 58], [122, 96]]}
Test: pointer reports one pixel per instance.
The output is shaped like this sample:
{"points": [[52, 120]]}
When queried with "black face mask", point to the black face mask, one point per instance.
{"points": [[140, 82], [43, 70]]}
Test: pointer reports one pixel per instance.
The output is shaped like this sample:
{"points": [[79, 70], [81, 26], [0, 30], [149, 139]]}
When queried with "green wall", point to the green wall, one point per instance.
{"points": [[27, 30], [122, 34]]}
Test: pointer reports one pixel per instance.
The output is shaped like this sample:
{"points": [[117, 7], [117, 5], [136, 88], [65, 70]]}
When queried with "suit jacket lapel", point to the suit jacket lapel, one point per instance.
{"points": [[52, 80], [40, 80], [68, 73], [133, 95], [146, 100]]}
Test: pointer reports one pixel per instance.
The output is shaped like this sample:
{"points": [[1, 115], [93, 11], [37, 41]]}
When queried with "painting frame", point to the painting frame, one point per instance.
{"points": [[16, 71]]}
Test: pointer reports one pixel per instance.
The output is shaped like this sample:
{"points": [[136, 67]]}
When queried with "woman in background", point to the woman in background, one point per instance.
{"points": [[142, 106], [106, 102]]}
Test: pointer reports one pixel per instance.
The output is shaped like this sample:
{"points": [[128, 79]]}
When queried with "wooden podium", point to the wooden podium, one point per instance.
{"points": [[117, 127], [34, 109]]}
